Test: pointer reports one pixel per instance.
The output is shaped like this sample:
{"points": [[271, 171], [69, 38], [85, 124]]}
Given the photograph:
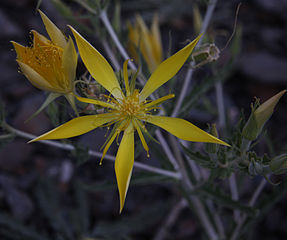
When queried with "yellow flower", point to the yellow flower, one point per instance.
{"points": [[148, 42], [128, 109], [49, 65]]}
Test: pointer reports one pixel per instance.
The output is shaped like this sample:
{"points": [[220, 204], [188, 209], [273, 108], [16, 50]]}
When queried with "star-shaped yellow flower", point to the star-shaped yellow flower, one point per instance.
{"points": [[49, 65], [128, 109]]}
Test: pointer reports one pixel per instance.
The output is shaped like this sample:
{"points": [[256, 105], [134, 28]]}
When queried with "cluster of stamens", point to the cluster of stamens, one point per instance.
{"points": [[46, 59]]}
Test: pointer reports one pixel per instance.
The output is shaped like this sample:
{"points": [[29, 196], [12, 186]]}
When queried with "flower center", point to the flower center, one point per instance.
{"points": [[131, 105]]}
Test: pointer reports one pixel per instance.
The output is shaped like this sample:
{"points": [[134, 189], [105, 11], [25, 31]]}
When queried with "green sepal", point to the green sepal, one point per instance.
{"points": [[51, 97]]}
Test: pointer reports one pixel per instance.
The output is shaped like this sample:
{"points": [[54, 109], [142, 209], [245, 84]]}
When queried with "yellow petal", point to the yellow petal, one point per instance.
{"points": [[183, 129], [76, 127], [137, 126], [124, 163], [96, 102], [20, 50], [109, 143], [69, 62], [98, 66], [36, 79], [133, 42], [167, 69], [55, 33], [156, 40], [159, 100], [39, 39], [145, 42]]}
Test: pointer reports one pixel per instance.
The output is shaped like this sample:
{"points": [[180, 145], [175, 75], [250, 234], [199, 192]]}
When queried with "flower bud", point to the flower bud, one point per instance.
{"points": [[255, 168], [259, 116], [210, 147], [278, 165]]}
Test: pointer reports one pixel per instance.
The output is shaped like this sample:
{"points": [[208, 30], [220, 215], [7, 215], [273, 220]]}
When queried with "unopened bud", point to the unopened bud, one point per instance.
{"points": [[211, 147], [255, 168], [278, 165], [259, 116]]}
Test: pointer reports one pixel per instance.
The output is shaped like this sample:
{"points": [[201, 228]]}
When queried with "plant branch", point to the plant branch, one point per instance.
{"points": [[234, 195], [170, 220], [188, 77], [111, 56], [92, 153], [251, 203], [220, 105], [196, 202]]}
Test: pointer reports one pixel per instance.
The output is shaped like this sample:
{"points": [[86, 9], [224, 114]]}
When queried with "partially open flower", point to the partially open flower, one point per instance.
{"points": [[259, 116], [49, 65], [147, 41]]}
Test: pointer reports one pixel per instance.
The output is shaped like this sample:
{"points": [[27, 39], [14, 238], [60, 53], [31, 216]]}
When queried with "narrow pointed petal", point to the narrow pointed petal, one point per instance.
{"points": [[49, 99], [167, 69], [109, 143], [76, 127], [156, 40], [133, 42], [143, 141], [146, 46], [69, 63], [98, 66], [20, 50], [159, 100], [96, 102], [124, 163], [35, 78], [55, 33], [183, 129], [39, 39]]}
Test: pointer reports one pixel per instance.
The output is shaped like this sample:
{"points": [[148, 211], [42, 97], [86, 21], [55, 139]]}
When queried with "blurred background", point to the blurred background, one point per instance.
{"points": [[47, 193]]}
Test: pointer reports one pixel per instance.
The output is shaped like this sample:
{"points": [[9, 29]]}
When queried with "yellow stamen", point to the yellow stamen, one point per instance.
{"points": [[158, 101], [145, 146]]}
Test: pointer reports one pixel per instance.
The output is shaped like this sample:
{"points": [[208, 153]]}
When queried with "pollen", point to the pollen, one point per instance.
{"points": [[131, 106], [46, 59]]}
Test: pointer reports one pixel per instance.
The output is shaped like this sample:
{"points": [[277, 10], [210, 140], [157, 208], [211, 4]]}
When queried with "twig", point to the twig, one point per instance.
{"points": [[186, 83], [234, 195], [170, 220], [193, 166], [220, 105], [251, 203], [92, 153], [108, 26], [217, 219], [111, 56], [113, 35], [198, 205], [166, 149]]}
